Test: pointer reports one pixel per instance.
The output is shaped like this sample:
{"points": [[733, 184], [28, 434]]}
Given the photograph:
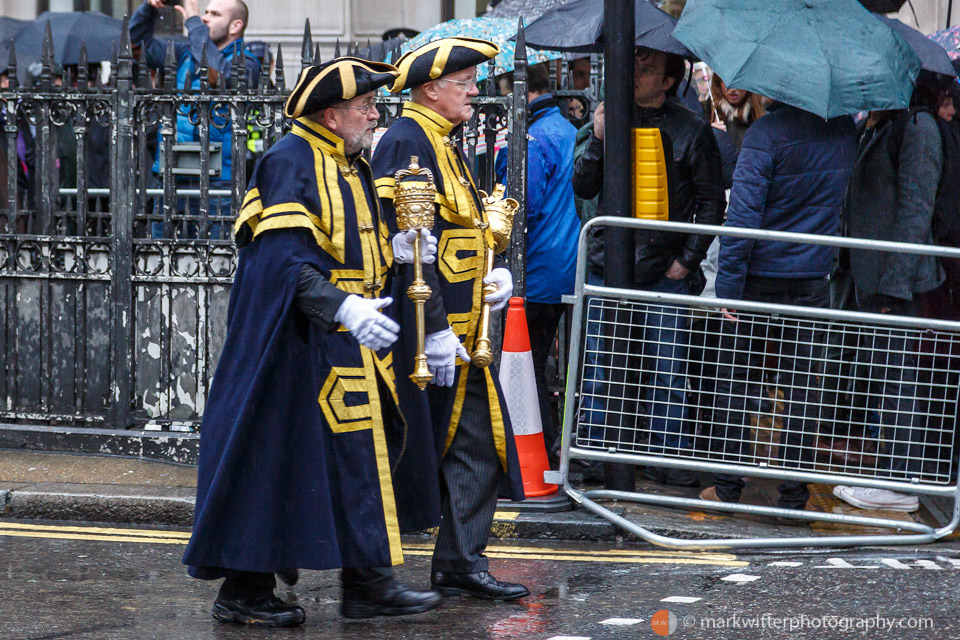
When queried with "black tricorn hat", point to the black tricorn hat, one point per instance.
{"points": [[338, 80], [439, 58]]}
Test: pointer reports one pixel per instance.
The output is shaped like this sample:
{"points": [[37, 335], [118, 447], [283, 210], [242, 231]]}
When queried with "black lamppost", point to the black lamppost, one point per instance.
{"points": [[618, 34]]}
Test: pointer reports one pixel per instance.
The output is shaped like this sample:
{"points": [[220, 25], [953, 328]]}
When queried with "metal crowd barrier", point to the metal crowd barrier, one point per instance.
{"points": [[756, 396]]}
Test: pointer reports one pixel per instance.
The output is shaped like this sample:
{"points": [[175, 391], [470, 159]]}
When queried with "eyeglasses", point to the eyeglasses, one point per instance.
{"points": [[645, 70], [366, 107], [466, 85]]}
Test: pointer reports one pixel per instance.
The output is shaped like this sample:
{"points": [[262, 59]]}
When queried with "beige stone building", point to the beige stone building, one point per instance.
{"points": [[281, 21]]}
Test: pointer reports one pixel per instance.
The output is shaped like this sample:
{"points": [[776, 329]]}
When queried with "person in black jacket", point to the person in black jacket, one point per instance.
{"points": [[663, 261]]}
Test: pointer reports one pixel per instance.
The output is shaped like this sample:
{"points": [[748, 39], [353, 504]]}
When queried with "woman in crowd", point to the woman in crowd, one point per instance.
{"points": [[734, 108]]}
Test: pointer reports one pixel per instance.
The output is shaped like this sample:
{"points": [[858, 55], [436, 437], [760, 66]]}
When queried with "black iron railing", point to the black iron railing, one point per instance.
{"points": [[116, 257]]}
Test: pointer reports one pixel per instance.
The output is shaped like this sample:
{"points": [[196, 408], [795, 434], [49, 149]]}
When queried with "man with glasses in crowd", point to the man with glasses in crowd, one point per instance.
{"points": [[663, 261], [464, 404]]}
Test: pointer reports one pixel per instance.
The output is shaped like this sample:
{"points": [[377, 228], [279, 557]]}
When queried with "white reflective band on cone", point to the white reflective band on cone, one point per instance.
{"points": [[520, 392]]}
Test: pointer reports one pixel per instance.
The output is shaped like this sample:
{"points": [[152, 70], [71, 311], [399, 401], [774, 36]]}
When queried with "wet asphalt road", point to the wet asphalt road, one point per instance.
{"points": [[82, 582]]}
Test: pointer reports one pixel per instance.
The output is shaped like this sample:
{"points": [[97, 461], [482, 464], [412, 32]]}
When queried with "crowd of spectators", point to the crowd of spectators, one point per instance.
{"points": [[783, 169]]}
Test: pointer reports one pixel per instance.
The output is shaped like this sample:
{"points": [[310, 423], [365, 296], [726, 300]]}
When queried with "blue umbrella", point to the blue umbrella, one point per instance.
{"points": [[932, 56], [100, 32], [577, 26], [9, 28], [828, 57]]}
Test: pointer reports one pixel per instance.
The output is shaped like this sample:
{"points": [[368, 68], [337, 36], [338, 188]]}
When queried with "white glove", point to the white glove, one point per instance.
{"points": [[442, 349], [362, 319], [403, 247], [504, 281]]}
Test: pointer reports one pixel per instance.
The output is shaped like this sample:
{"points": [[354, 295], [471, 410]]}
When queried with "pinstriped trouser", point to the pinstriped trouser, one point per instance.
{"points": [[470, 476]]}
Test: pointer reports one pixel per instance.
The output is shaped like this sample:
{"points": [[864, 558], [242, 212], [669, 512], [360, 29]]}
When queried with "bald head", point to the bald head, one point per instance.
{"points": [[241, 12], [227, 20]]}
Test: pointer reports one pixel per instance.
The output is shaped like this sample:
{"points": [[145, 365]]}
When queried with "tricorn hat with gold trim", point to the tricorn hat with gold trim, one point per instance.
{"points": [[440, 58], [338, 80]]}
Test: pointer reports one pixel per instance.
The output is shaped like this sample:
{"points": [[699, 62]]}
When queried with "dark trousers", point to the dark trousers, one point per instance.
{"points": [[246, 585], [470, 475], [543, 320], [743, 348], [890, 358]]}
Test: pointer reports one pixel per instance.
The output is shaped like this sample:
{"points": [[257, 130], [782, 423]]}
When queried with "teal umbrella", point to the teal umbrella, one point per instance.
{"points": [[828, 57], [497, 30]]}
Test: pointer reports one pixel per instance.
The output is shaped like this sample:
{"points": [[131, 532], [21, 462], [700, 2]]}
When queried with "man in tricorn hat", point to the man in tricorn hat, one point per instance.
{"points": [[464, 405], [294, 466]]}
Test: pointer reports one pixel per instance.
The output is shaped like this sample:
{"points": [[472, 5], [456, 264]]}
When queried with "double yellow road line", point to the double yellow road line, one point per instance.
{"points": [[102, 534], [615, 556]]}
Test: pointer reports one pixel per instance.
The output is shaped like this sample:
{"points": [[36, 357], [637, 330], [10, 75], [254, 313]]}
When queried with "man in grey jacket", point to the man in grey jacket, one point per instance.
{"points": [[891, 197]]}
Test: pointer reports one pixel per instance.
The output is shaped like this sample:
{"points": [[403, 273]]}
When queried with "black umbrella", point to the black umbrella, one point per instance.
{"points": [[100, 32], [577, 26], [932, 56], [883, 6]]}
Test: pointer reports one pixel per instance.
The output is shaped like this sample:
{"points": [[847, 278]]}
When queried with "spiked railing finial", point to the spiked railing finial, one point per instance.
{"points": [[307, 47], [280, 79]]}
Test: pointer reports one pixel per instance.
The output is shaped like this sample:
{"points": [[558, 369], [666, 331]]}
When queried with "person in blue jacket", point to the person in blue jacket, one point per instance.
{"points": [[220, 32], [552, 230], [792, 175]]}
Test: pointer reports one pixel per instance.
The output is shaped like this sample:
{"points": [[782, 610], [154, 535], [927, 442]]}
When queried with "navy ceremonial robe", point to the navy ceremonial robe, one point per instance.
{"points": [[456, 279], [295, 449]]}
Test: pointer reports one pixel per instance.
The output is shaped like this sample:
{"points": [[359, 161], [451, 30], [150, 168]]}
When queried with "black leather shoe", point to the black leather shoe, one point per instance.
{"points": [[479, 585], [267, 611], [674, 477], [396, 599]]}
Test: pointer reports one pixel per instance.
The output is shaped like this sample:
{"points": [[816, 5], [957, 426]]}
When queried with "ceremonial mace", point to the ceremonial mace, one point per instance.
{"points": [[500, 212], [413, 200]]}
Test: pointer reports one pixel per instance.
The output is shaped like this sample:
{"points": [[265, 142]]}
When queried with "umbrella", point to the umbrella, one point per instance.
{"points": [[932, 56], [949, 39], [578, 26], [827, 57], [529, 9], [10, 27], [497, 30], [883, 6], [100, 32]]}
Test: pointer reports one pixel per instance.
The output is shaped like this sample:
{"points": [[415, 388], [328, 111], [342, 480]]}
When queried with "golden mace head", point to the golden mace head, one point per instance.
{"points": [[500, 212], [413, 196]]}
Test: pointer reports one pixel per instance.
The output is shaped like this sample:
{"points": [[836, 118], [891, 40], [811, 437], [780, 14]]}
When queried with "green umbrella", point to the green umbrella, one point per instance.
{"points": [[828, 57]]}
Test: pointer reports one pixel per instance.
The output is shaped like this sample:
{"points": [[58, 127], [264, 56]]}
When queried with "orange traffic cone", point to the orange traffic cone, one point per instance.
{"points": [[520, 392]]}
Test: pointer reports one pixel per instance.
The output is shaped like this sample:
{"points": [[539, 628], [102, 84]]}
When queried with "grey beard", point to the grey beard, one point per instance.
{"points": [[357, 143]]}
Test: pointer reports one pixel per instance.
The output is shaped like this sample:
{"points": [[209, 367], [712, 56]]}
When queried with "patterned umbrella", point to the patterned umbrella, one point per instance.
{"points": [[949, 39], [529, 9], [498, 30]]}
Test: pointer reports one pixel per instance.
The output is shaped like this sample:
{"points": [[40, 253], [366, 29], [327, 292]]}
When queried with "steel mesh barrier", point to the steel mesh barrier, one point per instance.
{"points": [[762, 390], [767, 390]]}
